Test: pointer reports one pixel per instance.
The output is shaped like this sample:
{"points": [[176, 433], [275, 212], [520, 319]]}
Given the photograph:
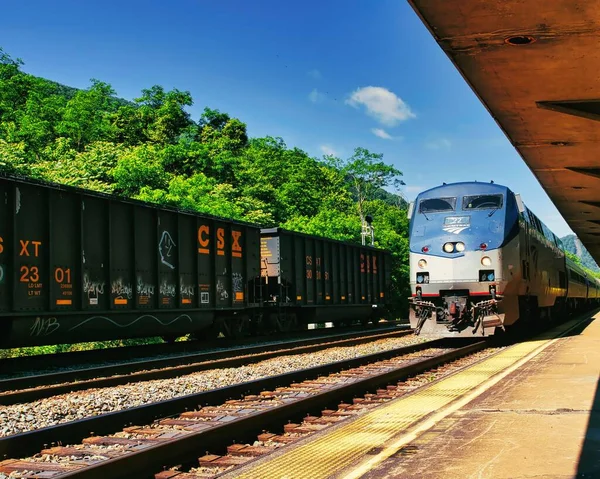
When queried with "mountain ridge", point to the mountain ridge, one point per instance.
{"points": [[573, 245]]}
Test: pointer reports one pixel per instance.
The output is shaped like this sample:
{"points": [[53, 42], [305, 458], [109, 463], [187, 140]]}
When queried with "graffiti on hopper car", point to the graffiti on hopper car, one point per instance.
{"points": [[44, 326]]}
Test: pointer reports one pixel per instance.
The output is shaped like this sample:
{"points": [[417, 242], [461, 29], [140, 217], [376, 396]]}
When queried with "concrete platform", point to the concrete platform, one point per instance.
{"points": [[541, 421], [530, 411]]}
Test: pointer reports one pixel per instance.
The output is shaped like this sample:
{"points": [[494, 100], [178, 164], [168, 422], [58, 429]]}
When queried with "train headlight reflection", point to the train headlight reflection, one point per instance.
{"points": [[486, 261], [422, 264], [460, 247], [448, 247]]}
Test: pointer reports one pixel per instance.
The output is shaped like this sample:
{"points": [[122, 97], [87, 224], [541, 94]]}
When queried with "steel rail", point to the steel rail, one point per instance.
{"points": [[114, 375], [32, 442], [146, 462], [122, 353]]}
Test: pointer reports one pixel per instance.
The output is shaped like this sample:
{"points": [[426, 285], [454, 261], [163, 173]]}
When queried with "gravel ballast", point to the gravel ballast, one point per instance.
{"points": [[19, 418]]}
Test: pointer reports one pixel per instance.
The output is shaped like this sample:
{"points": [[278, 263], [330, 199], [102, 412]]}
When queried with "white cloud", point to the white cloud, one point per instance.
{"points": [[315, 74], [316, 96], [440, 144], [328, 150], [381, 133], [381, 104]]}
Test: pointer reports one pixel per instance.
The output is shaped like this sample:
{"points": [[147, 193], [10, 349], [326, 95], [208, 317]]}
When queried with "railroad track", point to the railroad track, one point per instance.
{"points": [[22, 366], [178, 431], [31, 388]]}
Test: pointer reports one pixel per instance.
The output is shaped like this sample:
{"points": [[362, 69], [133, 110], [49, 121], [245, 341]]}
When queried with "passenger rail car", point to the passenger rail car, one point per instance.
{"points": [[80, 266], [480, 261]]}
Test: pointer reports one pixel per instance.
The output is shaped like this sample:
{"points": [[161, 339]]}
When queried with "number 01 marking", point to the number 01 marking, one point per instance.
{"points": [[60, 275]]}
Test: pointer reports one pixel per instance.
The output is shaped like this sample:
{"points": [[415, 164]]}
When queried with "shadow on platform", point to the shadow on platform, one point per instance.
{"points": [[589, 460]]}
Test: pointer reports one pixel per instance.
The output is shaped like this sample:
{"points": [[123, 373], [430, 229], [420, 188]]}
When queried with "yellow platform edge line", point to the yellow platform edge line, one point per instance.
{"points": [[337, 453]]}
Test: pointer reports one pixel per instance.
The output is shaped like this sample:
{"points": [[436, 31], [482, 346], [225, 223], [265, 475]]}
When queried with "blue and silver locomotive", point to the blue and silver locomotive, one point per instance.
{"points": [[480, 261]]}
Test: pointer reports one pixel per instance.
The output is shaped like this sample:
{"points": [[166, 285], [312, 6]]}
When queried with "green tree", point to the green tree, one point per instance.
{"points": [[137, 168], [214, 119], [86, 117], [368, 174], [163, 114]]}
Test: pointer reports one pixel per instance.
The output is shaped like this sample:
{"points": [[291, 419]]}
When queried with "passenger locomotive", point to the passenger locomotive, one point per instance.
{"points": [[81, 266], [481, 261]]}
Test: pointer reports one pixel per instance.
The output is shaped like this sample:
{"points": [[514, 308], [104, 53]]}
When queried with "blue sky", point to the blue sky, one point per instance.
{"points": [[327, 76]]}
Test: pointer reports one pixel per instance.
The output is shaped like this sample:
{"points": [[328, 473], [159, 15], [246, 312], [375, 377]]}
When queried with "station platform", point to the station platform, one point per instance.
{"points": [[530, 411]]}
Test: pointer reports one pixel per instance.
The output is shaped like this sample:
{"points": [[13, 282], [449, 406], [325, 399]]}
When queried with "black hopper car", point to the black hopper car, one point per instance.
{"points": [[79, 266]]}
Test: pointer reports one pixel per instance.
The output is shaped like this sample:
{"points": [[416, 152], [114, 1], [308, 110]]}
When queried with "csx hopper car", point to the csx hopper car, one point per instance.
{"points": [[79, 266]]}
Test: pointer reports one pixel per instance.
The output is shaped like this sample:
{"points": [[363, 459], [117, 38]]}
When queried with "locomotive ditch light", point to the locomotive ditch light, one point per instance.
{"points": [[486, 261], [422, 263], [460, 247], [448, 247]]}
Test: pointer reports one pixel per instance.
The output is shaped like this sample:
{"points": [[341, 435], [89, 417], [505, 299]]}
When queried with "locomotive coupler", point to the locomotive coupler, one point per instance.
{"points": [[485, 314], [423, 310]]}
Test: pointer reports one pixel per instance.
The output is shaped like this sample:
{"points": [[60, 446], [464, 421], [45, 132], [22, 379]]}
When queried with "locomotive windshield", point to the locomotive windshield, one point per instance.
{"points": [[433, 205], [482, 202]]}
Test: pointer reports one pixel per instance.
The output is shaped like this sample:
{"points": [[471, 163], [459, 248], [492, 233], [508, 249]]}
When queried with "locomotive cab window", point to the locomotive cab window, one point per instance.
{"points": [[433, 205], [482, 202]]}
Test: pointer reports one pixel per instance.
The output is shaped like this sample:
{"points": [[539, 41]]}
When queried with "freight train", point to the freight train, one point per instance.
{"points": [[481, 261], [79, 266]]}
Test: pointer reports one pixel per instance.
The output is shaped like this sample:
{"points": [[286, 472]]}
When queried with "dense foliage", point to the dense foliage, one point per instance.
{"points": [[152, 149]]}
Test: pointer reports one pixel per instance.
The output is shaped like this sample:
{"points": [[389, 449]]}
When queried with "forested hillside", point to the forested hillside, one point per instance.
{"points": [[152, 149], [572, 244]]}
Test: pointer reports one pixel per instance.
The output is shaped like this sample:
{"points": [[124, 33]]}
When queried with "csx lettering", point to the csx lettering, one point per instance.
{"points": [[374, 264], [204, 241], [220, 238], [1, 245], [25, 247], [235, 245]]}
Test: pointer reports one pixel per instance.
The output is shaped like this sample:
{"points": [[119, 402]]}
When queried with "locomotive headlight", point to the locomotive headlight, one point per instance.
{"points": [[460, 247], [448, 247], [422, 264], [486, 261]]}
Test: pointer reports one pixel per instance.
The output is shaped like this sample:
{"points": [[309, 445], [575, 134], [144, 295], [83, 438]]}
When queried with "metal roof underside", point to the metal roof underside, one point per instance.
{"points": [[535, 65]]}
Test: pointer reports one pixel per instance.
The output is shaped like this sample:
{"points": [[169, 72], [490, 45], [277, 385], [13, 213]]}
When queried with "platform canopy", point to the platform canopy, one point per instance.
{"points": [[535, 65]]}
